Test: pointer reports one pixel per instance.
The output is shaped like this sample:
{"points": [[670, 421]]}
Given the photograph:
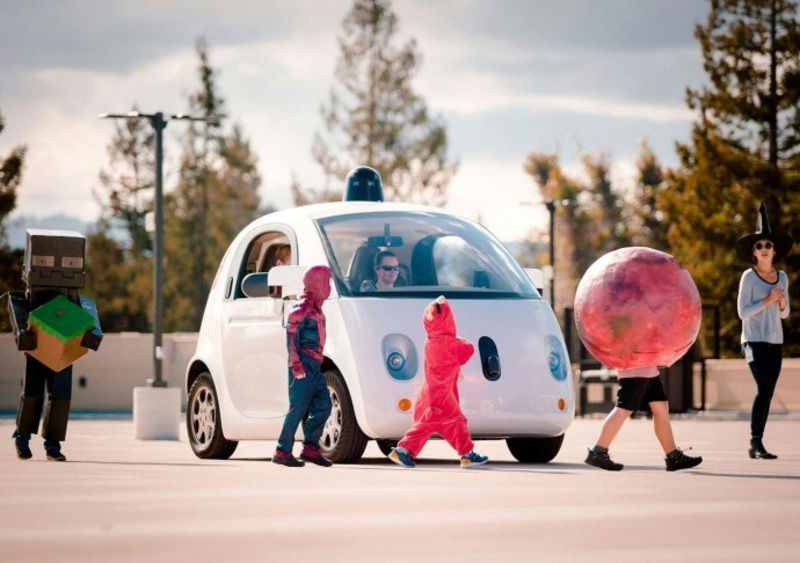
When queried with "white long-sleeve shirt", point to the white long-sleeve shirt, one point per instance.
{"points": [[761, 323]]}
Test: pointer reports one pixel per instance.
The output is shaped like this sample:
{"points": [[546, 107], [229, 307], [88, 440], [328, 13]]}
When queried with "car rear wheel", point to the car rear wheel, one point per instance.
{"points": [[385, 446], [203, 421], [342, 440], [535, 450]]}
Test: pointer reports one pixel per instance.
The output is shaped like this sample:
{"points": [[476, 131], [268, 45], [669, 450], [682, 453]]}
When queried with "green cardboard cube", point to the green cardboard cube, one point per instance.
{"points": [[59, 325]]}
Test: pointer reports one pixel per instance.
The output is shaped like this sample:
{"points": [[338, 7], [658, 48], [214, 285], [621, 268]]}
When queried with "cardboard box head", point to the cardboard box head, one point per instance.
{"points": [[54, 259]]}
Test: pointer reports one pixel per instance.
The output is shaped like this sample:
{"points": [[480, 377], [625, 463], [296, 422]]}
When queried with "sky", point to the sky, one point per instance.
{"points": [[508, 77]]}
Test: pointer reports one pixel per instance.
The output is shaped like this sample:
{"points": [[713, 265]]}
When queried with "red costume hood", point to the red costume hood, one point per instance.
{"points": [[317, 285], [438, 319]]}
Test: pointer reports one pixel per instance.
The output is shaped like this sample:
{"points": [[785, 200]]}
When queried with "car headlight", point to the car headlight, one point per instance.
{"points": [[556, 358], [400, 356]]}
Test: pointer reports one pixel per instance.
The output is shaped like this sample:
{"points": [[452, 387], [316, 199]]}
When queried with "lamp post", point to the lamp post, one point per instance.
{"points": [[159, 122], [551, 209], [552, 205]]}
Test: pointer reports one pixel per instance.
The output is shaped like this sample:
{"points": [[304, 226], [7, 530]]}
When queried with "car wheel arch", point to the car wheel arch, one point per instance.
{"points": [[328, 364], [197, 368]]}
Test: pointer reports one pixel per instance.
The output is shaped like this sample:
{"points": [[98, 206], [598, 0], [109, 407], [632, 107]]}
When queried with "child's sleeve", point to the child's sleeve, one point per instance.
{"points": [[292, 328], [464, 350]]}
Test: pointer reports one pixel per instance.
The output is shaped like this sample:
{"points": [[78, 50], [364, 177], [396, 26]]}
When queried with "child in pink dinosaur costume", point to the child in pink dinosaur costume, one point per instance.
{"points": [[437, 407]]}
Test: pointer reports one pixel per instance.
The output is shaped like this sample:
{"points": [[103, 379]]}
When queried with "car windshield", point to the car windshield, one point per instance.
{"points": [[406, 253]]}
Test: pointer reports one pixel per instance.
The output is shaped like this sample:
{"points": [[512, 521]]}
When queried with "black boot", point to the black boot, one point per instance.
{"points": [[602, 460], [758, 451], [21, 444], [676, 460]]}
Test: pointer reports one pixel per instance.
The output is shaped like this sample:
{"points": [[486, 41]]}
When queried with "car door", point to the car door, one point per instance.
{"points": [[254, 349]]}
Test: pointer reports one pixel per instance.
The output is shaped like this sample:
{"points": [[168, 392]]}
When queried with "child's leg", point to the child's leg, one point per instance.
{"points": [[415, 438], [662, 425], [611, 426], [318, 410], [457, 435], [300, 393]]}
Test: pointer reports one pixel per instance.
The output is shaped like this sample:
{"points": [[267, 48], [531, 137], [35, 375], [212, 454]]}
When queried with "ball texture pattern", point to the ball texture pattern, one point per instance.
{"points": [[637, 307]]}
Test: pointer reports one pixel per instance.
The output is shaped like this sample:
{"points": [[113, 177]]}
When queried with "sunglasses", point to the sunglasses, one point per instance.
{"points": [[389, 268], [759, 246]]}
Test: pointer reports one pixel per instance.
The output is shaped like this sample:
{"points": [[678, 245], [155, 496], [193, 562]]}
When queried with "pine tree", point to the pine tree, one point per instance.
{"points": [[129, 180], [10, 259], [216, 195], [745, 148], [10, 178], [588, 217], [374, 117], [649, 228]]}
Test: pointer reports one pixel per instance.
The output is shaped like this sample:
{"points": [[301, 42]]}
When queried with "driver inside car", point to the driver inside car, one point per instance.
{"points": [[387, 268]]}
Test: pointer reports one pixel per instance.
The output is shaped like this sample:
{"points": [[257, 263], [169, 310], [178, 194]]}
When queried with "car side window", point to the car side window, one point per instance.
{"points": [[265, 251]]}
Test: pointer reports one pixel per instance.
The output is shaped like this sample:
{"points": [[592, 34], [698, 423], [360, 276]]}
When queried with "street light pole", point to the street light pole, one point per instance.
{"points": [[551, 208], [159, 123]]}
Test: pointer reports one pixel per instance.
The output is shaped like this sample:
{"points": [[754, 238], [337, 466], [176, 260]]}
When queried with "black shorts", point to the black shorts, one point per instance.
{"points": [[637, 391]]}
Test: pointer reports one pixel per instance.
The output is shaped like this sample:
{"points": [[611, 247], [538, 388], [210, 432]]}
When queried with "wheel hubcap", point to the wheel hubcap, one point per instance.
{"points": [[203, 417], [332, 430]]}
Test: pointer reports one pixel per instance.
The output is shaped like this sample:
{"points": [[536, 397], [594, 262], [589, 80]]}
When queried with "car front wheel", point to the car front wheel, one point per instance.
{"points": [[203, 422], [342, 440], [535, 450]]}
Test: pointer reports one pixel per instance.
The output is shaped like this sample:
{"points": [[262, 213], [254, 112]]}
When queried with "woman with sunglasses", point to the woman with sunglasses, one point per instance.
{"points": [[387, 268], [762, 303]]}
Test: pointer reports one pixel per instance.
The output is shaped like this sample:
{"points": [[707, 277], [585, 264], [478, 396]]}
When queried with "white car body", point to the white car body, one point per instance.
{"points": [[242, 340]]}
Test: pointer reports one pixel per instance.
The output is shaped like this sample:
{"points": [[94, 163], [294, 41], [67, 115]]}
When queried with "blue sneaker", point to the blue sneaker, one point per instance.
{"points": [[402, 458], [472, 460]]}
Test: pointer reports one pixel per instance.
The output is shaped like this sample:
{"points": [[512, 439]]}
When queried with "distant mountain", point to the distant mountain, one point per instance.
{"points": [[15, 227]]}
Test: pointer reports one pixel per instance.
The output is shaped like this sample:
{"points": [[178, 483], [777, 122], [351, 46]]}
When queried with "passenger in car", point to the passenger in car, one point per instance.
{"points": [[308, 392], [283, 255], [387, 268]]}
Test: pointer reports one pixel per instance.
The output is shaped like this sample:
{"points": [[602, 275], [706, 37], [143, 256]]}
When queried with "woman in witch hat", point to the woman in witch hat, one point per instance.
{"points": [[763, 301]]}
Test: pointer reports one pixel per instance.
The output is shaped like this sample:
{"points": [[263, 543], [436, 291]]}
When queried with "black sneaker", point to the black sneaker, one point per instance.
{"points": [[55, 455], [23, 449], [676, 460], [287, 459], [603, 461]]}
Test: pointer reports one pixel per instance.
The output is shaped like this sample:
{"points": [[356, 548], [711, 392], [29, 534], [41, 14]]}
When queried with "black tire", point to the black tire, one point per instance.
{"points": [[342, 440], [535, 450], [385, 446], [203, 421]]}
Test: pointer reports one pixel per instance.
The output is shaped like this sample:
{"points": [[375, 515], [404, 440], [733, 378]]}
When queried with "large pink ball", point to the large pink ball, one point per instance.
{"points": [[637, 307]]}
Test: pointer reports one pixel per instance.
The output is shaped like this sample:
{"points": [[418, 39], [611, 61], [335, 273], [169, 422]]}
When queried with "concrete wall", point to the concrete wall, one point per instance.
{"points": [[105, 379], [730, 386], [124, 361]]}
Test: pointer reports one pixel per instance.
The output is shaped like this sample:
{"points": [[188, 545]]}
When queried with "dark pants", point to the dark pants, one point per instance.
{"points": [[59, 393], [765, 367], [308, 396]]}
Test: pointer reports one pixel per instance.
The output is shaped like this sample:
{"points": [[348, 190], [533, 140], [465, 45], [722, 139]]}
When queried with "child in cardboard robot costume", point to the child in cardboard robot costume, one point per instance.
{"points": [[54, 326]]}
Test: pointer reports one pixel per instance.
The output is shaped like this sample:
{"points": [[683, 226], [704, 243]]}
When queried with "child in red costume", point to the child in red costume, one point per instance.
{"points": [[437, 407]]}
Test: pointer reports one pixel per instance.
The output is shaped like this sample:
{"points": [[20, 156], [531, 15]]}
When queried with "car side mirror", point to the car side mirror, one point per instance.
{"points": [[288, 278], [537, 278], [255, 285]]}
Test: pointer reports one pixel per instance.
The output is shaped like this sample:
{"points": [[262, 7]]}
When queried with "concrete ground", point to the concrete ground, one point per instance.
{"points": [[119, 499]]}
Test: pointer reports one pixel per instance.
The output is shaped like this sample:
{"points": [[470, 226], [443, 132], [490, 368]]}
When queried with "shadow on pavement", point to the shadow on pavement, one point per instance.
{"points": [[157, 463], [746, 475]]}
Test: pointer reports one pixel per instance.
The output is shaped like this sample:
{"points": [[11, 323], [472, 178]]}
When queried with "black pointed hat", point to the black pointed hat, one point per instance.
{"points": [[783, 243]]}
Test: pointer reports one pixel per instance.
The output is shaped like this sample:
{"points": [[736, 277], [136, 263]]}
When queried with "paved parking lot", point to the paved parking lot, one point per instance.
{"points": [[119, 499]]}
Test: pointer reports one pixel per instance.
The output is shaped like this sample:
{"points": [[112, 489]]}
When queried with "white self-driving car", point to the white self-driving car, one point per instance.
{"points": [[517, 386]]}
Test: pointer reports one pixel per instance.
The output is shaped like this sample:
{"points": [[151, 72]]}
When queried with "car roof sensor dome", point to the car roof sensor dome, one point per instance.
{"points": [[364, 184]]}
